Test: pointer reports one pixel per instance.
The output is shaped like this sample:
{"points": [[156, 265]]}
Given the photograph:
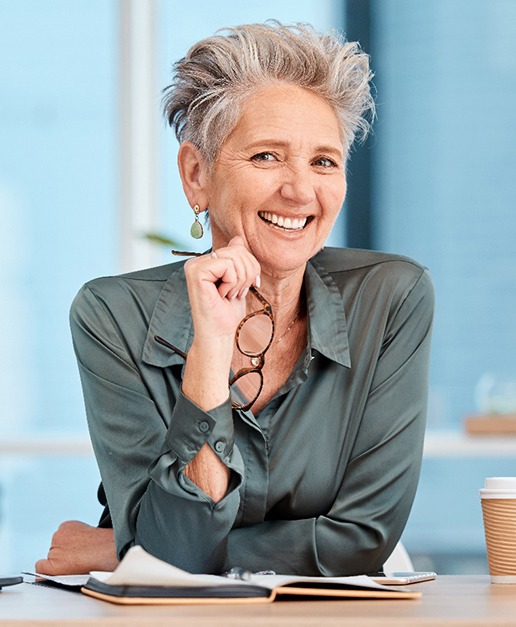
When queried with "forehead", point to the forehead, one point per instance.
{"points": [[286, 111]]}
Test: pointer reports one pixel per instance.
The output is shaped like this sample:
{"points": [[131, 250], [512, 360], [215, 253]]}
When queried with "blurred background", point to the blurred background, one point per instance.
{"points": [[87, 167]]}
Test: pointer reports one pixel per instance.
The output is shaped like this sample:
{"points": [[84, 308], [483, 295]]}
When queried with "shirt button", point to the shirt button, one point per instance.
{"points": [[204, 426], [219, 446]]}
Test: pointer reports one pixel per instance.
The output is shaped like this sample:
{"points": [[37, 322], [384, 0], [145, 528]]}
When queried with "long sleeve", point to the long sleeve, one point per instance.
{"points": [[378, 484], [144, 432]]}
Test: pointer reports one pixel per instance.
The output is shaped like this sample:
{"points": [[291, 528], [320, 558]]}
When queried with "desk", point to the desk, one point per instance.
{"points": [[450, 600]]}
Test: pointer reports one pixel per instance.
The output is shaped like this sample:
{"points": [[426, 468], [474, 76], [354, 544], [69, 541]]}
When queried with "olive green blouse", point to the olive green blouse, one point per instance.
{"points": [[323, 478]]}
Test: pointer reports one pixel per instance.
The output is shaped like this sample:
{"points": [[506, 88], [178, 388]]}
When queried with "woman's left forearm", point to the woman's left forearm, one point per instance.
{"points": [[209, 473]]}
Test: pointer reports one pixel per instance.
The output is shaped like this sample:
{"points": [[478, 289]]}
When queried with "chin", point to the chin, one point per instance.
{"points": [[283, 254], [283, 262]]}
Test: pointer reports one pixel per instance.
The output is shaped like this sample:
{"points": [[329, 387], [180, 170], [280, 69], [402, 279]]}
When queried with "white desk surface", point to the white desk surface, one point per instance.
{"points": [[449, 600]]}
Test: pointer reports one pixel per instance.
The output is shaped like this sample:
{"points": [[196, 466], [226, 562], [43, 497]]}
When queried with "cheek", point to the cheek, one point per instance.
{"points": [[344, 190], [341, 188], [334, 199], [226, 212]]}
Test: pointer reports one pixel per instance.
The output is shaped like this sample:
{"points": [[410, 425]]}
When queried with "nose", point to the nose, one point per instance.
{"points": [[297, 186]]}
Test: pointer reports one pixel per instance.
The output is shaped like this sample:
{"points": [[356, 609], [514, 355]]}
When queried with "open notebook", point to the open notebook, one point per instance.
{"points": [[141, 578]]}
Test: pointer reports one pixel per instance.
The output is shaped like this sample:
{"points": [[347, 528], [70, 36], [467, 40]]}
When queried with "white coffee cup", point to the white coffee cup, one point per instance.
{"points": [[498, 498]]}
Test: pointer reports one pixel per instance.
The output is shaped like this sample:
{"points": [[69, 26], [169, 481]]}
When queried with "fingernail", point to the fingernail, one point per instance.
{"points": [[244, 293], [257, 281]]}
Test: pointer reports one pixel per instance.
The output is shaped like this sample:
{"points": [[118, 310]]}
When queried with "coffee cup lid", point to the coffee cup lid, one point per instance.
{"points": [[499, 488], [500, 483]]}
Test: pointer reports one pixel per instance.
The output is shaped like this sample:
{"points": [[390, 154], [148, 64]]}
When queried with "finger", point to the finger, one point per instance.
{"points": [[40, 566], [252, 273], [240, 282], [231, 270], [46, 567], [227, 270], [227, 276], [238, 241], [246, 266], [254, 269]]}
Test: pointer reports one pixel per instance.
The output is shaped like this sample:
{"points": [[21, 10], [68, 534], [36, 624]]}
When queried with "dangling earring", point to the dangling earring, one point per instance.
{"points": [[196, 230]]}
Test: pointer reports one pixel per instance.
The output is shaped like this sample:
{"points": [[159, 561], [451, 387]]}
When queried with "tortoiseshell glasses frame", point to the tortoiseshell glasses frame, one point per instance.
{"points": [[257, 357]]}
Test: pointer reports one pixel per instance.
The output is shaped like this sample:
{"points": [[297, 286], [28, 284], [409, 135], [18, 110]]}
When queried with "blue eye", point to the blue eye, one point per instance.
{"points": [[263, 156], [325, 162]]}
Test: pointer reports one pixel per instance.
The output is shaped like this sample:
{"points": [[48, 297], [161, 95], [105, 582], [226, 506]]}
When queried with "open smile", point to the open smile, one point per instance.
{"points": [[284, 223]]}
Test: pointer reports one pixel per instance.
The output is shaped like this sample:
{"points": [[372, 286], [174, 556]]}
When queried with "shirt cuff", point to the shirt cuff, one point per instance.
{"points": [[191, 427]]}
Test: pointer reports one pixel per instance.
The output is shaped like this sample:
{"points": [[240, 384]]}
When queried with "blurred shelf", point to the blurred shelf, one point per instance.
{"points": [[45, 445], [491, 424], [438, 444], [457, 444]]}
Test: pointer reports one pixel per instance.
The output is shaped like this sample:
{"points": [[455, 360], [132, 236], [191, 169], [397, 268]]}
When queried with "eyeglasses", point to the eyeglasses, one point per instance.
{"points": [[253, 338]]}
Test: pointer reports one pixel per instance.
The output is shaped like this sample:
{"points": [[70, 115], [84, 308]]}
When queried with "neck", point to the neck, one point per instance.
{"points": [[283, 293], [285, 298]]}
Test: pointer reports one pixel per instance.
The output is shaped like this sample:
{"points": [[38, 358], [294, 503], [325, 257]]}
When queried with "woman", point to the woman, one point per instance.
{"points": [[309, 464]]}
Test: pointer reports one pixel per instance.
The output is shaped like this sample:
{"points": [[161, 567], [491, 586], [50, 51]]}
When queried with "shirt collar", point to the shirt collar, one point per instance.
{"points": [[328, 331], [172, 319]]}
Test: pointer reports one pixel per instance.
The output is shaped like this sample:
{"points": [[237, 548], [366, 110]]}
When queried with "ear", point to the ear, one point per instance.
{"points": [[194, 174]]}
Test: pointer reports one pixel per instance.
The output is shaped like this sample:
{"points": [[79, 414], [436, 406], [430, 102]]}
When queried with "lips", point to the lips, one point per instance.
{"points": [[284, 222]]}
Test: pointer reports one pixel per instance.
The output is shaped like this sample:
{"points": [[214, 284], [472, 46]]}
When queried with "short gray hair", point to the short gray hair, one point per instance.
{"points": [[204, 101]]}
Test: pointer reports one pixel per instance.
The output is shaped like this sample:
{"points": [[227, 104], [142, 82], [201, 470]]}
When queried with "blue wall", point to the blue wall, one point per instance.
{"points": [[58, 224], [57, 229], [444, 189], [444, 178]]}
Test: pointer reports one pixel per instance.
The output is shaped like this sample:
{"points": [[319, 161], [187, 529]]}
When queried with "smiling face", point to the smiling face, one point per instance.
{"points": [[279, 179]]}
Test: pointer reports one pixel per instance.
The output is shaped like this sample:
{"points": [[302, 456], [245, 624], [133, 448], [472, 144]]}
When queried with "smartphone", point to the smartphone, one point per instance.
{"points": [[403, 578], [10, 581]]}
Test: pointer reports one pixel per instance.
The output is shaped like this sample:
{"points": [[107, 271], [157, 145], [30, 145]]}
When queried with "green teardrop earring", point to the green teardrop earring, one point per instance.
{"points": [[196, 230]]}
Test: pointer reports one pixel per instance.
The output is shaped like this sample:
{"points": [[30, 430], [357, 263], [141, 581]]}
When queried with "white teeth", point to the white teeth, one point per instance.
{"points": [[291, 224]]}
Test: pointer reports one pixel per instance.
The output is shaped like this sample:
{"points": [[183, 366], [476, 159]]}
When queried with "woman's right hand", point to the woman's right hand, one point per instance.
{"points": [[217, 286]]}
